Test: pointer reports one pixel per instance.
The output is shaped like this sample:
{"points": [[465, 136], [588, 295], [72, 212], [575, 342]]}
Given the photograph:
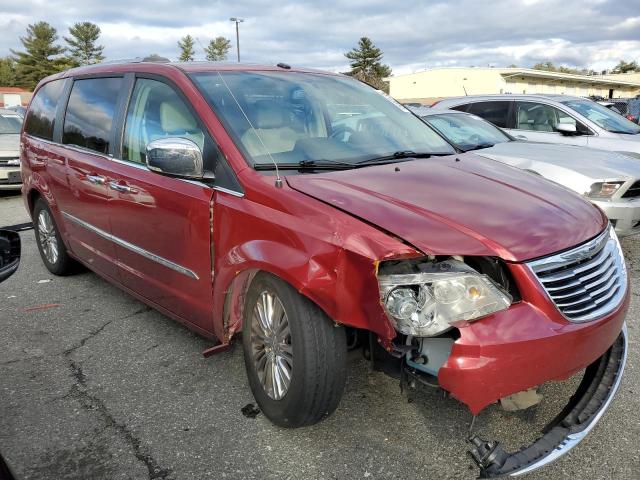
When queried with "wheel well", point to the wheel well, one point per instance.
{"points": [[233, 311], [32, 198]]}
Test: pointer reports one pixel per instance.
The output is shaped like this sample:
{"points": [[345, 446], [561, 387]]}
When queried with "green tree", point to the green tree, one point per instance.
{"points": [[218, 49], [187, 51], [82, 44], [547, 66], [41, 57], [626, 67], [366, 64], [7, 72], [550, 67]]}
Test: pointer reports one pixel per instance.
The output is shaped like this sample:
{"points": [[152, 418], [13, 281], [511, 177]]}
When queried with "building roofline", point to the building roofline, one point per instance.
{"points": [[531, 72]]}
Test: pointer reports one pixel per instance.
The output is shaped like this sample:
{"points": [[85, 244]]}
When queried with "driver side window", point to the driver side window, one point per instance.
{"points": [[539, 117], [156, 111]]}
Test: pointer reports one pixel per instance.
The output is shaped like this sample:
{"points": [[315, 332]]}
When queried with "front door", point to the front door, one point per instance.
{"points": [[161, 226], [536, 122]]}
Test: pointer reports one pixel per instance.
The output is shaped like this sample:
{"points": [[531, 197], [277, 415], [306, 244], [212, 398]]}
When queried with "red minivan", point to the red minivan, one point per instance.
{"points": [[313, 213]]}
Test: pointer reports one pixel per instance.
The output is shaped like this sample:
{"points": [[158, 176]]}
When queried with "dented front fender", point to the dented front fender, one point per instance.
{"points": [[329, 256]]}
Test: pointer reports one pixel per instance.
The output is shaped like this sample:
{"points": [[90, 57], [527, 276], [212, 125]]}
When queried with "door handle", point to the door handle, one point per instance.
{"points": [[95, 179], [122, 188], [521, 137]]}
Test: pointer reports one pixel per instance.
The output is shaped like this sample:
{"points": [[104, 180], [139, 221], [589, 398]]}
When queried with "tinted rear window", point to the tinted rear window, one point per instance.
{"points": [[89, 116], [41, 116], [494, 112]]}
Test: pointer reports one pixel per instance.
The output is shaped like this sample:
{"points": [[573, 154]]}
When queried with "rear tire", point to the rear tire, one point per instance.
{"points": [[52, 249], [297, 340]]}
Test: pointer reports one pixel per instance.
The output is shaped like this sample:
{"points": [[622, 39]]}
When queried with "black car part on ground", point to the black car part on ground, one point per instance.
{"points": [[592, 398]]}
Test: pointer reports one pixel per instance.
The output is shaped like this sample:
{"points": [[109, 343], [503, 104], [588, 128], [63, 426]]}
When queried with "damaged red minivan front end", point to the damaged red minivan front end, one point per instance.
{"points": [[295, 206], [556, 260]]}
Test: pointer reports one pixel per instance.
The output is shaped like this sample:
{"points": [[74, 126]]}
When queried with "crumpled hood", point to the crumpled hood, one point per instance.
{"points": [[596, 164], [461, 205]]}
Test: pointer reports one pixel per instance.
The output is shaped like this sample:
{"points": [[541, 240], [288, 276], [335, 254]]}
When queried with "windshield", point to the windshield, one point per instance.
{"points": [[603, 117], [467, 132], [10, 124], [297, 117]]}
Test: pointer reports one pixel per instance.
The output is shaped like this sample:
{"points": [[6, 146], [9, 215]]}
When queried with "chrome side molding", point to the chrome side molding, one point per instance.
{"points": [[131, 247]]}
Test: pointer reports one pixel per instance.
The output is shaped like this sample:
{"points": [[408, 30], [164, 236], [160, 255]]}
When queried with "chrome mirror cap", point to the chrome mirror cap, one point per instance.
{"points": [[175, 156]]}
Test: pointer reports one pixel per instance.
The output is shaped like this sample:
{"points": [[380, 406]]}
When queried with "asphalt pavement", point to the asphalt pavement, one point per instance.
{"points": [[95, 385]]}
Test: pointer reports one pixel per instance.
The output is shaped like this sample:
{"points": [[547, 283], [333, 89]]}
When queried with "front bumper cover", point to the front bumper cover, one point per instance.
{"points": [[585, 408], [623, 214]]}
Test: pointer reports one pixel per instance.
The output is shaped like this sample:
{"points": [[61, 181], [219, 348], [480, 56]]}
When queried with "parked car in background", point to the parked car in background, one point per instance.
{"points": [[18, 109], [610, 105], [10, 125], [610, 180], [235, 198], [553, 119]]}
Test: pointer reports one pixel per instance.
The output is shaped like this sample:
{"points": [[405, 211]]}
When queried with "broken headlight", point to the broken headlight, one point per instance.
{"points": [[442, 293]]}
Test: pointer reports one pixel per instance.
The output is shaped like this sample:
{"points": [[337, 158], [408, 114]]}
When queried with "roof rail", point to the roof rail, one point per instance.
{"points": [[149, 58]]}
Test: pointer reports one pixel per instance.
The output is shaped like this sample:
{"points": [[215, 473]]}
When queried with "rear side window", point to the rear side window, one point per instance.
{"points": [[89, 116], [494, 112], [460, 108], [41, 116]]}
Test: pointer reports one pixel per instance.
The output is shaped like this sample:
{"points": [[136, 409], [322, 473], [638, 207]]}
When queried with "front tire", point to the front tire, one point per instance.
{"points": [[295, 356], [52, 249]]}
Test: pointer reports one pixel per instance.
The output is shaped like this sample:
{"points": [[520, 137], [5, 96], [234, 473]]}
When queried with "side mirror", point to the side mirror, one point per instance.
{"points": [[9, 253], [175, 156], [566, 129]]}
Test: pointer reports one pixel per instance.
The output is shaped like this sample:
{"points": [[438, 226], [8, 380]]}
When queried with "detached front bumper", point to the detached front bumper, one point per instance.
{"points": [[592, 398], [623, 214]]}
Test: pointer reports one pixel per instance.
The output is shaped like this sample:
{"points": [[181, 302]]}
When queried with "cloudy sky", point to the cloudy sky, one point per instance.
{"points": [[413, 35]]}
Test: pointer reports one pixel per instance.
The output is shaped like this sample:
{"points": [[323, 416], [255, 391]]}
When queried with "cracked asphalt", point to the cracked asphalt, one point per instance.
{"points": [[95, 385]]}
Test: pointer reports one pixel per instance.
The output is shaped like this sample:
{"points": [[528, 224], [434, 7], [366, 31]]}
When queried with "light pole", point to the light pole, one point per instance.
{"points": [[238, 21]]}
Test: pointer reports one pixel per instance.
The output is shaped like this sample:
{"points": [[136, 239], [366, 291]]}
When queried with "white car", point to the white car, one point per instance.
{"points": [[10, 125], [553, 119], [610, 180]]}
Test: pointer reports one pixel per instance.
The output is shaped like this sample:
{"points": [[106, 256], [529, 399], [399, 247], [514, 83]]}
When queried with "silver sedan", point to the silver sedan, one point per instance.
{"points": [[553, 119], [610, 180]]}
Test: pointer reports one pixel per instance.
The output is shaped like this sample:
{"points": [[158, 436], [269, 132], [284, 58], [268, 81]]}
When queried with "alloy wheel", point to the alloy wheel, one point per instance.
{"points": [[271, 348], [47, 237]]}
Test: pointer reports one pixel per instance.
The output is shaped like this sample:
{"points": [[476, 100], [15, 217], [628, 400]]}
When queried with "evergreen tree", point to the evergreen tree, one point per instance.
{"points": [[7, 72], [367, 66], [218, 49], [82, 44], [187, 51], [41, 57]]}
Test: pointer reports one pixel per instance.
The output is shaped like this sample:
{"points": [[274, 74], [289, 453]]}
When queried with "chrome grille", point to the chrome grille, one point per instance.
{"points": [[4, 161], [586, 282]]}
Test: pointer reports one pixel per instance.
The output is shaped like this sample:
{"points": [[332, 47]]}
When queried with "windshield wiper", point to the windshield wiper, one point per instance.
{"points": [[400, 155], [480, 146], [307, 165]]}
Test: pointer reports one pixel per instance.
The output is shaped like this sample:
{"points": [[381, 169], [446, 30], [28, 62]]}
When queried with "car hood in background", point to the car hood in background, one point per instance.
{"points": [[595, 164], [9, 144], [460, 205]]}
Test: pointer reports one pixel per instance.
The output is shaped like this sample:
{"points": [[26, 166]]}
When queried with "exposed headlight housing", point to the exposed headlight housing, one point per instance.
{"points": [[430, 302], [604, 189]]}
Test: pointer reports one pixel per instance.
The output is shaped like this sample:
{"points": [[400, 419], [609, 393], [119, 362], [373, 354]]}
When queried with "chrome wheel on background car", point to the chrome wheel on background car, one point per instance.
{"points": [[271, 345], [47, 236]]}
